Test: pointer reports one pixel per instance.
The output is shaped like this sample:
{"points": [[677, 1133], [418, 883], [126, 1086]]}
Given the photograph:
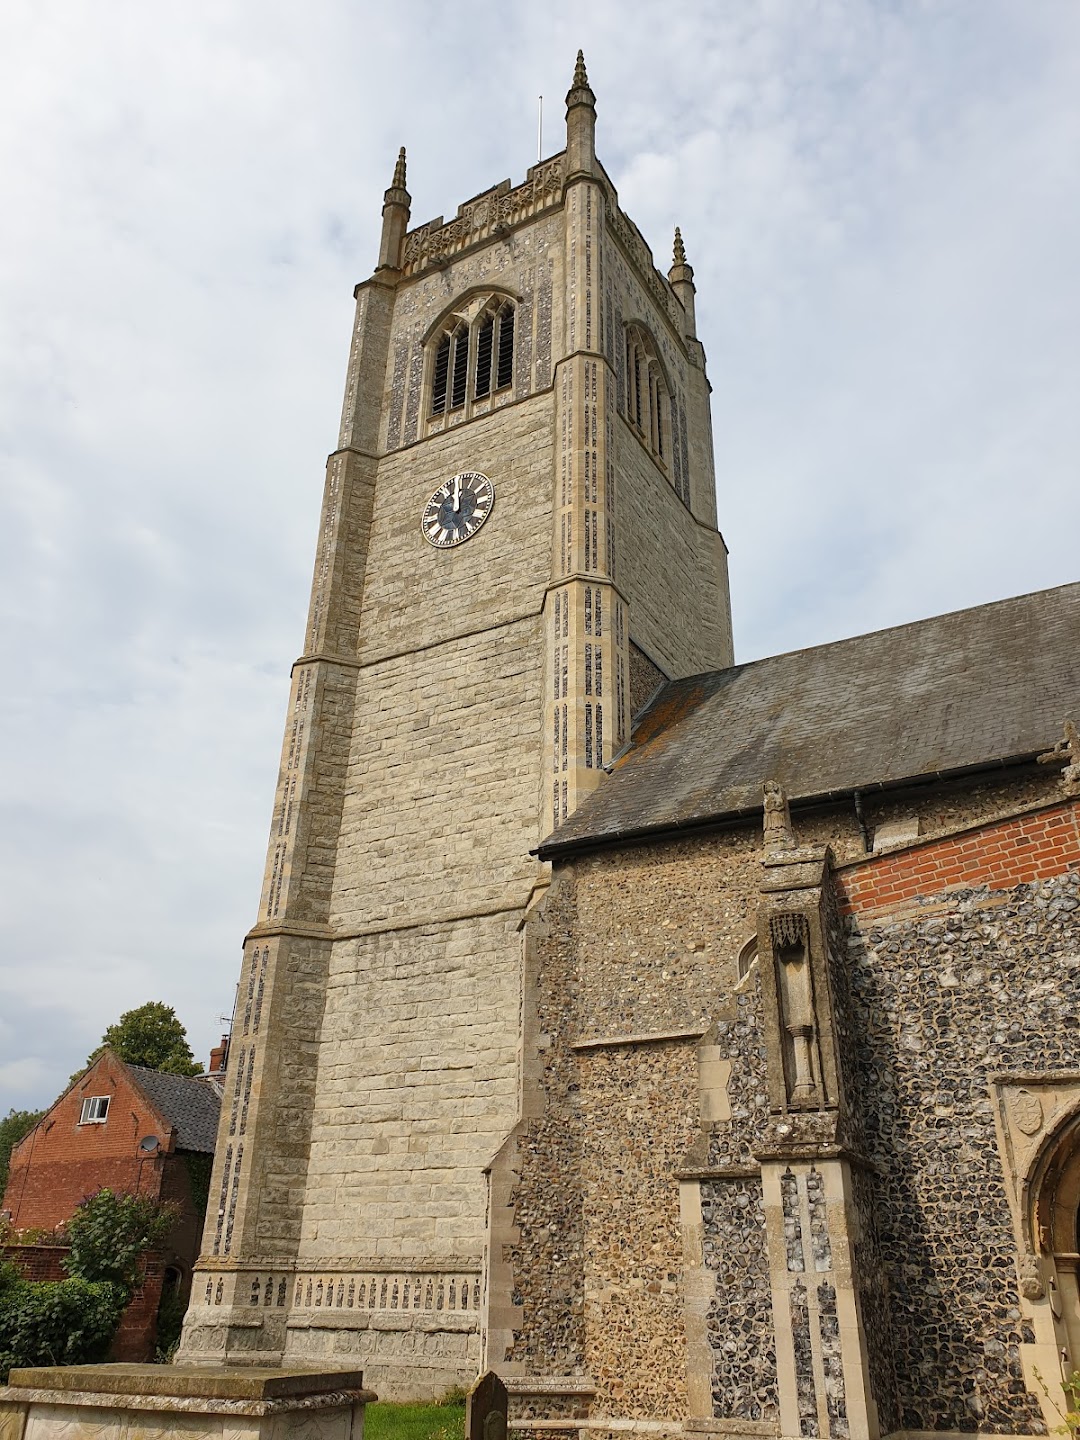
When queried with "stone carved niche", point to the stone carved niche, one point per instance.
{"points": [[790, 938]]}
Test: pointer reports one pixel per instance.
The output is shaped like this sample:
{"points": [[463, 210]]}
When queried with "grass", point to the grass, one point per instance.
{"points": [[384, 1421]]}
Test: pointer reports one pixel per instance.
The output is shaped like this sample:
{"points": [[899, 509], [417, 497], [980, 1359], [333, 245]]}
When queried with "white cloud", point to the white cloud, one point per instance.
{"points": [[879, 206]]}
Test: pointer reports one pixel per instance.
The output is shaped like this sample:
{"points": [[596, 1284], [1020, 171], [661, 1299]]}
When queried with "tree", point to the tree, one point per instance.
{"points": [[150, 1035], [13, 1127]]}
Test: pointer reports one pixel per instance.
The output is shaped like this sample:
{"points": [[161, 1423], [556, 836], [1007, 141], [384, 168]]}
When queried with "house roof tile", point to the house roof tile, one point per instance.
{"points": [[192, 1105]]}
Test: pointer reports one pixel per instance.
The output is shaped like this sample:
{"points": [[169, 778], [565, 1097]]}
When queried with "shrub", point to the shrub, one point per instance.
{"points": [[109, 1234], [56, 1322], [9, 1277]]}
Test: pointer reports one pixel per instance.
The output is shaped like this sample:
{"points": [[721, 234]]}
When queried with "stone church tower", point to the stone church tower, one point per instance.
{"points": [[518, 544]]}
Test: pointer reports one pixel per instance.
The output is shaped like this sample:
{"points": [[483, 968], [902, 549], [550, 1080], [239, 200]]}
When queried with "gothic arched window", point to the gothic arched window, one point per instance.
{"points": [[647, 405], [480, 345]]}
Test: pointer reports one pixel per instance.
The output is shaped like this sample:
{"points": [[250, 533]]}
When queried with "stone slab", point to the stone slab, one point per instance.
{"points": [[210, 1382]]}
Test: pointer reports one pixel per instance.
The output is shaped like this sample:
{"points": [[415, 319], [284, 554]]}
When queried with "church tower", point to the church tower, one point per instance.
{"points": [[518, 544]]}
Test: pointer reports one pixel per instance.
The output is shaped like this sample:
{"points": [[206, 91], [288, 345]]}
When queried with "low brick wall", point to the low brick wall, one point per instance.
{"points": [[1034, 846], [38, 1262], [136, 1339]]}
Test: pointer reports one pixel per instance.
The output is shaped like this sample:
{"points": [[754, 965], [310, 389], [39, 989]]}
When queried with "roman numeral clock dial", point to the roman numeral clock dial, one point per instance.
{"points": [[457, 509]]}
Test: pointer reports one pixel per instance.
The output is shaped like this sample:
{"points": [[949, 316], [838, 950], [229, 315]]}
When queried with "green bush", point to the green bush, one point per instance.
{"points": [[9, 1277], [109, 1234], [56, 1322]]}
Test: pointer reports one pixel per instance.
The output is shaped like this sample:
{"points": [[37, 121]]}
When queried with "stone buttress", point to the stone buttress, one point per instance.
{"points": [[253, 1217]]}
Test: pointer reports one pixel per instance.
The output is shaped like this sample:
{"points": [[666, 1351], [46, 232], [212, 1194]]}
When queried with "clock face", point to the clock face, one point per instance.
{"points": [[457, 509]]}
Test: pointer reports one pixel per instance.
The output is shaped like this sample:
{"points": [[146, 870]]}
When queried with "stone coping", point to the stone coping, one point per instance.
{"points": [[106, 1384]]}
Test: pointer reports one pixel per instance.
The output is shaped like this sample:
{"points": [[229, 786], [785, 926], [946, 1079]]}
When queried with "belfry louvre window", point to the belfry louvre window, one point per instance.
{"points": [[647, 405], [451, 371], [485, 349]]}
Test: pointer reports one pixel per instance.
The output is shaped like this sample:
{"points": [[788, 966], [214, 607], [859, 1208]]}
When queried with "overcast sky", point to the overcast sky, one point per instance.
{"points": [[880, 201]]}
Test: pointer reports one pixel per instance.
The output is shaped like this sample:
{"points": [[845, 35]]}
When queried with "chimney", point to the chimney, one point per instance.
{"points": [[218, 1057]]}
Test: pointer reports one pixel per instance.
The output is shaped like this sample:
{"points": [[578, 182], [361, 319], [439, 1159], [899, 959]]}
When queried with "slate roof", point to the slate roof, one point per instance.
{"points": [[963, 691], [192, 1105]]}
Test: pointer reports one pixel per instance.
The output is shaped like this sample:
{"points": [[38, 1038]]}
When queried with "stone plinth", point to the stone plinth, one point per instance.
{"points": [[149, 1402]]}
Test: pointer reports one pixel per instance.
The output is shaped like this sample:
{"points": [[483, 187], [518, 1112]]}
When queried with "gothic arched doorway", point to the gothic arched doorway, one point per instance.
{"points": [[1053, 1195]]}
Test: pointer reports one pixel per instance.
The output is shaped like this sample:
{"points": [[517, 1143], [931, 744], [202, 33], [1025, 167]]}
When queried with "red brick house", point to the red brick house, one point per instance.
{"points": [[136, 1131]]}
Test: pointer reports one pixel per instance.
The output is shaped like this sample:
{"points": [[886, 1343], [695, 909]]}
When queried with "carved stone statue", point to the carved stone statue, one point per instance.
{"points": [[1067, 749], [796, 995], [1031, 1284], [779, 835]]}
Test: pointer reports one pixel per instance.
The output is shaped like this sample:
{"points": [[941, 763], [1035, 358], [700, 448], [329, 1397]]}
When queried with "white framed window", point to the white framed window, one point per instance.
{"points": [[95, 1108]]}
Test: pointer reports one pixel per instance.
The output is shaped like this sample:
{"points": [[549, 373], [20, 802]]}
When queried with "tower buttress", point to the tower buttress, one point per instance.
{"points": [[587, 715]]}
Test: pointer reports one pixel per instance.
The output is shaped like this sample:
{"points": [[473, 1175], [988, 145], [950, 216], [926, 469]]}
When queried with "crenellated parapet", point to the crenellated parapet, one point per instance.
{"points": [[488, 216]]}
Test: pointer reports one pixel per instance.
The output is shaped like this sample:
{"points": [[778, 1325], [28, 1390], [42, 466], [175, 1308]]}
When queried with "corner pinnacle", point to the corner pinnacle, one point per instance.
{"points": [[680, 252], [398, 182], [581, 80]]}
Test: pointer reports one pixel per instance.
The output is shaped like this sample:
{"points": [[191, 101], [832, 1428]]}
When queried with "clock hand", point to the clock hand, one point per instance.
{"points": [[457, 493]]}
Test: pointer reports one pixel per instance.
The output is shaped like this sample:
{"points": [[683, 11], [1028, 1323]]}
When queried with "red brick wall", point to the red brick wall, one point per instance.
{"points": [[38, 1262], [1001, 854], [62, 1161], [136, 1338]]}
